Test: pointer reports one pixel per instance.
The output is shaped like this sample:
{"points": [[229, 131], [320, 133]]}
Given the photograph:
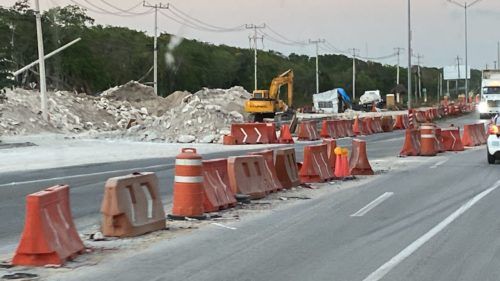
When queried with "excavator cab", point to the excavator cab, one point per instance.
{"points": [[260, 94]]}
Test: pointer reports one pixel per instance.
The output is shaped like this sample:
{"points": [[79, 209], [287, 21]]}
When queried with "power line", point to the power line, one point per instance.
{"points": [[379, 58], [186, 22], [331, 48], [335, 49], [185, 16], [100, 10], [275, 40], [193, 23], [120, 9], [184, 19], [303, 43]]}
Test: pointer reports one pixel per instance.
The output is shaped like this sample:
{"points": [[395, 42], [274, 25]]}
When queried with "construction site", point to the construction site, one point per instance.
{"points": [[222, 173]]}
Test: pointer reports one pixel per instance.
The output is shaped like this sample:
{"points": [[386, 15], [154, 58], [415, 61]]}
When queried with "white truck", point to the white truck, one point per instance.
{"points": [[369, 97], [489, 105]]}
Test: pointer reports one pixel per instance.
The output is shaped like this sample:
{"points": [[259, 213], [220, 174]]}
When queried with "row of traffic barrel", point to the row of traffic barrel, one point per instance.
{"points": [[454, 109], [132, 204], [311, 130], [428, 139]]}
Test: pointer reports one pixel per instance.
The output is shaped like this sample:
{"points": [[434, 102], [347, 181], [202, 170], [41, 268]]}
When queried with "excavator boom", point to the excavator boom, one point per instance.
{"points": [[285, 78]]}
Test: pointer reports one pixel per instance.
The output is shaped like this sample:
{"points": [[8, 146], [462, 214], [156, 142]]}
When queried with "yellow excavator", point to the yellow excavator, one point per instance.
{"points": [[267, 103]]}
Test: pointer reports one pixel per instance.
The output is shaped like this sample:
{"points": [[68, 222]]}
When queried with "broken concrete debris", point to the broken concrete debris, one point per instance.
{"points": [[131, 111]]}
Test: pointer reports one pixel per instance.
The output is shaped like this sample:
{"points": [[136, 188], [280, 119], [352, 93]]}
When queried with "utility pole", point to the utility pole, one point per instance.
{"points": [[155, 44], [419, 75], [255, 37], [41, 59], [409, 54], [439, 86], [417, 100], [440, 92], [495, 64], [23, 69], [466, 59], [498, 54], [458, 75], [466, 6], [354, 54], [398, 52], [317, 42]]}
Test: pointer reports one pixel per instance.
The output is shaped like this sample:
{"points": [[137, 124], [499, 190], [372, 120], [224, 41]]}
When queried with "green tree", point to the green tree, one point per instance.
{"points": [[108, 56]]}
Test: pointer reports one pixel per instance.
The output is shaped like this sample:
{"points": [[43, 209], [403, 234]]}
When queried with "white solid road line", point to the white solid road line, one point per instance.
{"points": [[410, 249], [87, 175], [372, 204], [224, 226], [438, 164]]}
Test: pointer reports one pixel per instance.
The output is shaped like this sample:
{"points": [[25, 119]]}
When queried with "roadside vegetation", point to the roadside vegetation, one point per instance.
{"points": [[108, 56]]}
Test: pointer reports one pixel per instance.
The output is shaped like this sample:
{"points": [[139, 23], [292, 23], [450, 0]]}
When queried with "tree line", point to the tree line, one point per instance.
{"points": [[108, 56]]}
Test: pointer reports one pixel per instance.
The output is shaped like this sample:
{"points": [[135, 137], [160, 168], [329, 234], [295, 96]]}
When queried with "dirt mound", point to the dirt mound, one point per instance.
{"points": [[132, 91]]}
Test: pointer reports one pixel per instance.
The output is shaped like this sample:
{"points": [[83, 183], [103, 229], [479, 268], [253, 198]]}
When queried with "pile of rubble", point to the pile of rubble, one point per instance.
{"points": [[131, 103], [131, 111], [201, 117], [69, 113]]}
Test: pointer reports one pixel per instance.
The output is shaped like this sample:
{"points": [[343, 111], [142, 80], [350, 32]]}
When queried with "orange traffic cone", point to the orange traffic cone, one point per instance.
{"points": [[338, 160], [345, 162], [285, 134], [342, 163]]}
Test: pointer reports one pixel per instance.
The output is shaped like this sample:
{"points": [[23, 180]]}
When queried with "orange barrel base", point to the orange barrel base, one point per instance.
{"points": [[428, 145], [188, 185]]}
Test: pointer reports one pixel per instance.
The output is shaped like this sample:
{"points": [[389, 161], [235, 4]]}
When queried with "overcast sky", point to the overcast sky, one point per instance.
{"points": [[375, 27]]}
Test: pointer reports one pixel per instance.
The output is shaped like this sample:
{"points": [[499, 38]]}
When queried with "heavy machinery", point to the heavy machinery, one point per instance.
{"points": [[267, 103]]}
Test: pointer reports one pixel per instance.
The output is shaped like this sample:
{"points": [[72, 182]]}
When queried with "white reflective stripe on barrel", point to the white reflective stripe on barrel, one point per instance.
{"points": [[183, 179], [427, 136], [188, 162], [427, 128]]}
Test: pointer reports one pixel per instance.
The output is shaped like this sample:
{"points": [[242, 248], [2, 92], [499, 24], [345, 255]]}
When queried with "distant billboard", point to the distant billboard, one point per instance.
{"points": [[454, 72]]}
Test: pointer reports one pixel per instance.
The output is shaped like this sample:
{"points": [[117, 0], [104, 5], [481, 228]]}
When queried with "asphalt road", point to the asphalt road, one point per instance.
{"points": [[87, 183], [409, 235]]}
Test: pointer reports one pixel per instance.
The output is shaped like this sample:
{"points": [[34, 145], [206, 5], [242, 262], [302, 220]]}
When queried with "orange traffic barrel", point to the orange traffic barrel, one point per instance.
{"points": [[188, 185], [427, 140]]}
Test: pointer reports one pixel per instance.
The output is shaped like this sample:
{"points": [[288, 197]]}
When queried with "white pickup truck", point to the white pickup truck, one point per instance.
{"points": [[490, 94]]}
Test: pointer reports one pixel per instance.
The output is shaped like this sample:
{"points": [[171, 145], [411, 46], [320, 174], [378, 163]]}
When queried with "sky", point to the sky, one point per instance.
{"points": [[375, 27]]}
